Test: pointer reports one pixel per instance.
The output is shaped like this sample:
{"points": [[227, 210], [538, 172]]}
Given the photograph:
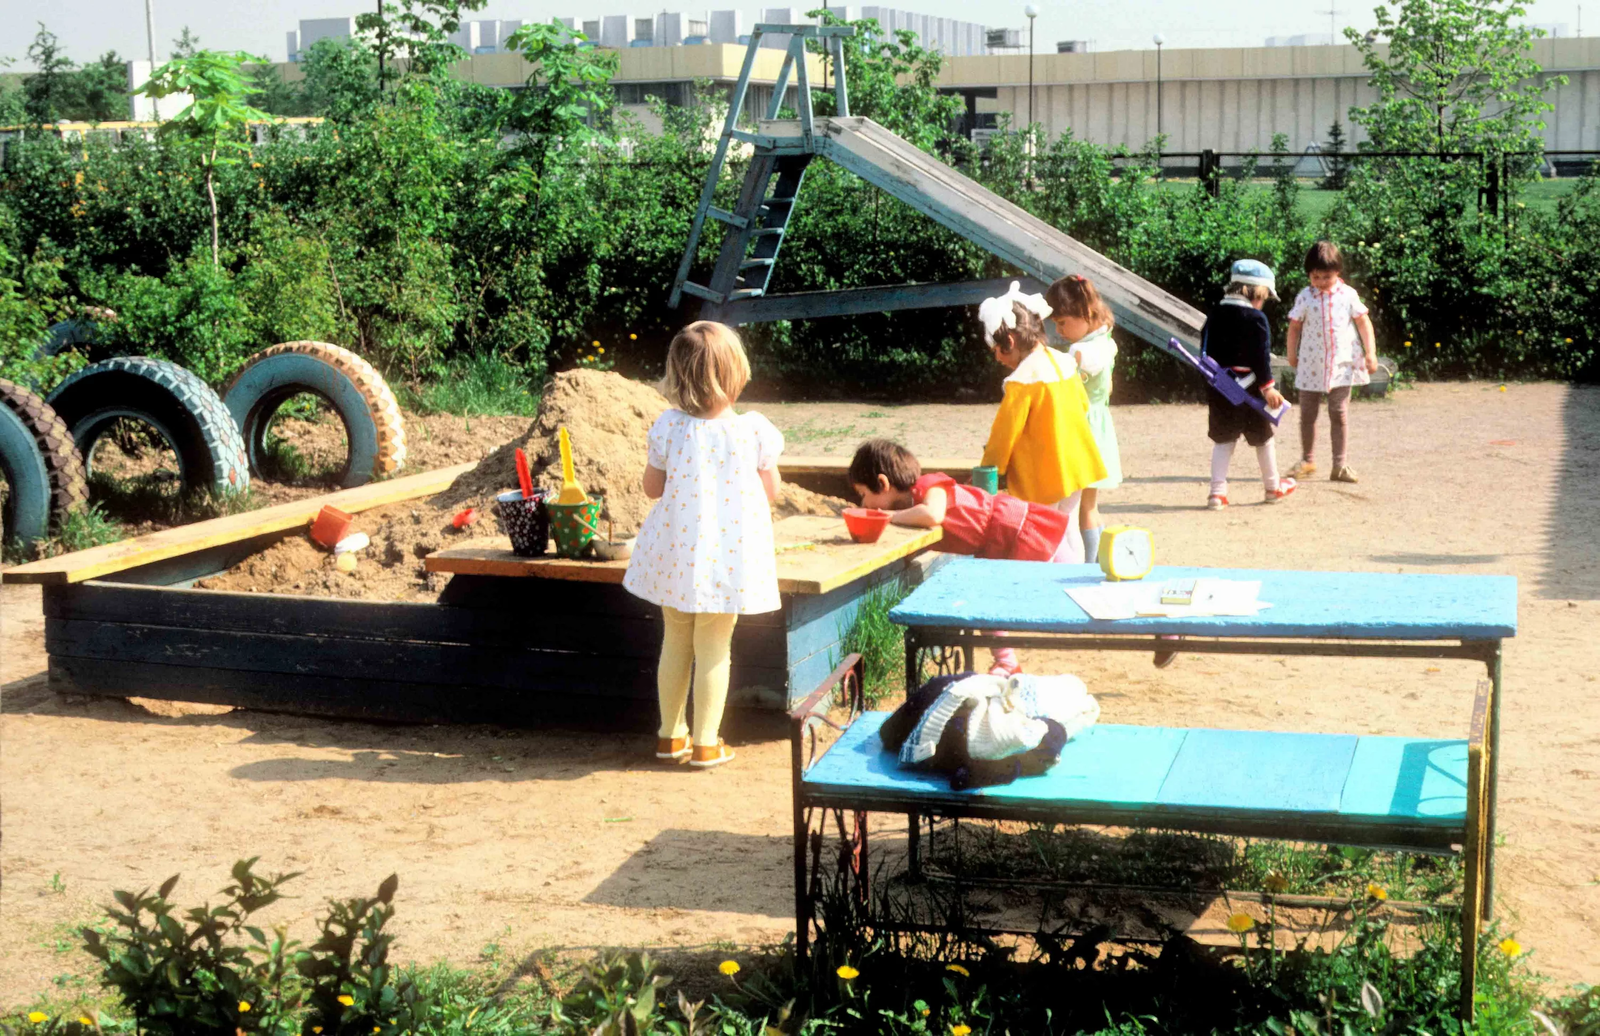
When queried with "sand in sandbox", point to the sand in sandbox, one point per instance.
{"points": [[608, 418]]}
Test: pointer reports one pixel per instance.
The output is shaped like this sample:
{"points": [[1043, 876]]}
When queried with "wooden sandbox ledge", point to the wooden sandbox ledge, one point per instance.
{"points": [[234, 528]]}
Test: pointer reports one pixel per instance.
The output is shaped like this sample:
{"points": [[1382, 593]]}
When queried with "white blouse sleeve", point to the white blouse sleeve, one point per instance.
{"points": [[1357, 307], [769, 441], [1298, 310], [1094, 355], [656, 453]]}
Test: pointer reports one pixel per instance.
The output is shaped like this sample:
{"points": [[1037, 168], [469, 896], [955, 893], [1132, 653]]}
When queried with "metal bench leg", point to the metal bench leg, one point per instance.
{"points": [[1476, 846], [913, 846], [1496, 672]]}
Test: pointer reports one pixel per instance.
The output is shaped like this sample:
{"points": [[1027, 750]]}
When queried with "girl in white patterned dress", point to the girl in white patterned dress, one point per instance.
{"points": [[1331, 348], [705, 551]]}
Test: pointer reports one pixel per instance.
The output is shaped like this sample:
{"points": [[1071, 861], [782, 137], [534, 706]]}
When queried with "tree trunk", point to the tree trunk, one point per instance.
{"points": [[211, 196]]}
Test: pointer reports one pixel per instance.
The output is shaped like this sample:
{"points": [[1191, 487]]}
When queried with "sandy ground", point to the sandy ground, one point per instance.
{"points": [[534, 839]]}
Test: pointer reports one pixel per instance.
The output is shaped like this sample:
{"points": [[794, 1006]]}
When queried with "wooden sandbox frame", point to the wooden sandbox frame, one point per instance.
{"points": [[125, 620]]}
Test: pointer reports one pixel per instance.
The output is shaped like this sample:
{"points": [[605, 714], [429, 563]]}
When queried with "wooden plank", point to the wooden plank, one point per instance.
{"points": [[1260, 771], [168, 543], [575, 626], [959, 468], [587, 672], [827, 559], [880, 299], [355, 697]]}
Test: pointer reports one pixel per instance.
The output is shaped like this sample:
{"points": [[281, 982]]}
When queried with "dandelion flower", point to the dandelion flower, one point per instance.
{"points": [[960, 1030], [84, 1019], [601, 349], [1567, 340], [597, 342], [925, 1012], [316, 1028], [1510, 947], [729, 968], [1436, 345], [633, 338], [1240, 923], [846, 972], [959, 970], [1502, 388], [244, 1007], [347, 1000], [1376, 891], [37, 1016], [1408, 342]]}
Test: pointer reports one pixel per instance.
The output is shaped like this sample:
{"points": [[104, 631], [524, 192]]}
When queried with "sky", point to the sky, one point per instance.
{"points": [[87, 28]]}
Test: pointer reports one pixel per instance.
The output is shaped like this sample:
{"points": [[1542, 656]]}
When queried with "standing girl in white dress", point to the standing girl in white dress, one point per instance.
{"points": [[705, 552], [1332, 349]]}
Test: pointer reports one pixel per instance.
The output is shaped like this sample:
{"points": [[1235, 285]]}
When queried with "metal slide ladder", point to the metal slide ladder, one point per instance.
{"points": [[771, 184]]}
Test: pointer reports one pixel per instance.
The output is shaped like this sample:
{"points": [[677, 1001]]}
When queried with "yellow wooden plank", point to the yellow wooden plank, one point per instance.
{"points": [[956, 467], [820, 556], [184, 539]]}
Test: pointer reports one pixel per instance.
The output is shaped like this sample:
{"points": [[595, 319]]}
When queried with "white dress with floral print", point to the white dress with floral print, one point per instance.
{"points": [[1331, 354], [706, 545]]}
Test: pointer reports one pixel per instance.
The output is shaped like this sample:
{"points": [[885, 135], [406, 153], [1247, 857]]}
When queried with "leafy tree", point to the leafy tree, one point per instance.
{"points": [[101, 92], [1453, 75], [892, 80], [214, 127], [420, 30], [341, 79], [568, 89], [186, 45], [47, 91], [1338, 168]]}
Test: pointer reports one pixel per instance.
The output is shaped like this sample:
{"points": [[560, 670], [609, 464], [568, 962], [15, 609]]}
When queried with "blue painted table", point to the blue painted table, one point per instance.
{"points": [[1417, 794]]}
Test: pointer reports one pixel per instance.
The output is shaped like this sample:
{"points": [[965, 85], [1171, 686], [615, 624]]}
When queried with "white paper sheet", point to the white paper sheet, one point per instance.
{"points": [[1134, 599]]}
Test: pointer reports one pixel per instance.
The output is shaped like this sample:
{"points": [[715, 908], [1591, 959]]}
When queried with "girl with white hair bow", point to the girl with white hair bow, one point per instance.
{"points": [[1041, 440]]}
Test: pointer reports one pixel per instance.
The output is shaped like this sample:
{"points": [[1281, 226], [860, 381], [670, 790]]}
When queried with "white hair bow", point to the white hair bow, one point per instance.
{"points": [[997, 311]]}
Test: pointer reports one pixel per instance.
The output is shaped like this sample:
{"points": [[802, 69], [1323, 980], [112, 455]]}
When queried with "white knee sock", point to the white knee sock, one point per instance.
{"points": [[1267, 457], [1221, 457]]}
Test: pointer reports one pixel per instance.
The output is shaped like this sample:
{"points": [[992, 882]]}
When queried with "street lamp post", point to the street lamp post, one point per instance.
{"points": [[1158, 40], [150, 42], [1032, 12]]}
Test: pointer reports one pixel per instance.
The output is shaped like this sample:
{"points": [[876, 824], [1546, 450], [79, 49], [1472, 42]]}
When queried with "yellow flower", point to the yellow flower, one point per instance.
{"points": [[1502, 388], [925, 1012], [1510, 947], [244, 1007], [1567, 340], [603, 348], [960, 1030], [84, 1019], [633, 338], [1240, 923], [1408, 344], [729, 968], [37, 1016], [597, 342], [347, 1000], [316, 1028], [846, 972], [1276, 882], [959, 970], [1436, 345], [1376, 891]]}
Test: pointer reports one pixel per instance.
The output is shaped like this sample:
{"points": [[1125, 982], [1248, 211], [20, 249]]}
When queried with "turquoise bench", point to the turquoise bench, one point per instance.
{"points": [[1426, 795]]}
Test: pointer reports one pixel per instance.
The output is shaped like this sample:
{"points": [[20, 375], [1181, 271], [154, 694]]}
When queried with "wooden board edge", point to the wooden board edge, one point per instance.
{"points": [[110, 558], [928, 538]]}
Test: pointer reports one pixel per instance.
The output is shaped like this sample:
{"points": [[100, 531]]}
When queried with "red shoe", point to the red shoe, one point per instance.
{"points": [[1216, 503], [1005, 663], [1285, 487]]}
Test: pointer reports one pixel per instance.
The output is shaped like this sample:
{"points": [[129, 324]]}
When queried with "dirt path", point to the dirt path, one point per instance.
{"points": [[530, 839]]}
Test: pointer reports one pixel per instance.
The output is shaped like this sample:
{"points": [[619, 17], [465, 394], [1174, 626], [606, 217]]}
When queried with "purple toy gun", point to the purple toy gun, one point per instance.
{"points": [[1224, 382]]}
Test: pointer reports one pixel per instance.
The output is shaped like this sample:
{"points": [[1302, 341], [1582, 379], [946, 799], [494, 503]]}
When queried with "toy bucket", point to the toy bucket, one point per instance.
{"points": [[986, 478], [526, 520], [574, 525]]}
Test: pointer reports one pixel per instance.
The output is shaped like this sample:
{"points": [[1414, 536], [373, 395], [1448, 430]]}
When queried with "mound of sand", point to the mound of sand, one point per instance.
{"points": [[608, 418]]}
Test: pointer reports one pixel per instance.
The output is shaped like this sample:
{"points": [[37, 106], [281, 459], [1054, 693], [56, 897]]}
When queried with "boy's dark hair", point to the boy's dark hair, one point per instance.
{"points": [[1028, 333], [884, 457], [1324, 255]]}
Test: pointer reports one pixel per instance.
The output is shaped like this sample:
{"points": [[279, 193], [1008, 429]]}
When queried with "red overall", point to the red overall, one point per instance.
{"points": [[993, 526]]}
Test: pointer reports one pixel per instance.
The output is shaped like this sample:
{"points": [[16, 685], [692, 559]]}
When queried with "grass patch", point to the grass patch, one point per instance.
{"points": [[880, 642], [81, 529], [480, 386]]}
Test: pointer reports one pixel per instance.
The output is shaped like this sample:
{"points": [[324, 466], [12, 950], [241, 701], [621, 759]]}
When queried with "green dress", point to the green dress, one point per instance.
{"points": [[1099, 344]]}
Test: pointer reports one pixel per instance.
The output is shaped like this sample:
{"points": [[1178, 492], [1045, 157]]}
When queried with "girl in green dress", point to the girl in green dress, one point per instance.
{"points": [[1082, 317]]}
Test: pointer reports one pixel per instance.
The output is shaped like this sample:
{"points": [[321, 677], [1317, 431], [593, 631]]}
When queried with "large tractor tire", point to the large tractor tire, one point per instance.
{"points": [[69, 486], [25, 515], [189, 416], [372, 423]]}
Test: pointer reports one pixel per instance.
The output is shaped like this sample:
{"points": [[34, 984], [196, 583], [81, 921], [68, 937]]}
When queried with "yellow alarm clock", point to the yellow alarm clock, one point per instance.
{"points": [[1126, 552]]}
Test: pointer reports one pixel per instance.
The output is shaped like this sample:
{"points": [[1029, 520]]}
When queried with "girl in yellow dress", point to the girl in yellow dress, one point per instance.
{"points": [[1040, 440]]}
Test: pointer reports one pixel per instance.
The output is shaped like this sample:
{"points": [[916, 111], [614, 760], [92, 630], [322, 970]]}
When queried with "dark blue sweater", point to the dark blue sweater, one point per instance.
{"points": [[1238, 336]]}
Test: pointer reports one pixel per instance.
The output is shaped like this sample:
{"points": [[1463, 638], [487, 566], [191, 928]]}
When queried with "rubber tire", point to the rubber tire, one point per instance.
{"points": [[183, 408], [71, 334], [69, 485], [373, 425], [25, 516]]}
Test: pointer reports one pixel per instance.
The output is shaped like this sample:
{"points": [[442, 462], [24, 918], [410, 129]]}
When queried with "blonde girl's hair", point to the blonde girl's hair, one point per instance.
{"points": [[706, 368], [1075, 296], [1251, 292]]}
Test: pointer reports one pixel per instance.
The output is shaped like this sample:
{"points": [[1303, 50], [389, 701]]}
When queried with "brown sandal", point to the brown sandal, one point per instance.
{"points": [[672, 749]]}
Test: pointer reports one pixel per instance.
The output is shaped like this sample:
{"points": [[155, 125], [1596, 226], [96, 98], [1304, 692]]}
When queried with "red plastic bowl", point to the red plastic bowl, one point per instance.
{"points": [[866, 524]]}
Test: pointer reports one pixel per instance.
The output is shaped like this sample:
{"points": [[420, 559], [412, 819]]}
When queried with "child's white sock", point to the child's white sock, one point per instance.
{"points": [[1267, 457], [1221, 457], [1091, 545]]}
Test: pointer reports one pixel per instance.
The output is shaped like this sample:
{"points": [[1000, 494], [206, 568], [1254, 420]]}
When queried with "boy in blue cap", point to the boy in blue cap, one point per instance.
{"points": [[1237, 336]]}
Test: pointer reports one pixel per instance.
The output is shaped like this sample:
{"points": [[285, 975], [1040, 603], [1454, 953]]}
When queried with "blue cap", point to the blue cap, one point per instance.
{"points": [[1254, 271]]}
